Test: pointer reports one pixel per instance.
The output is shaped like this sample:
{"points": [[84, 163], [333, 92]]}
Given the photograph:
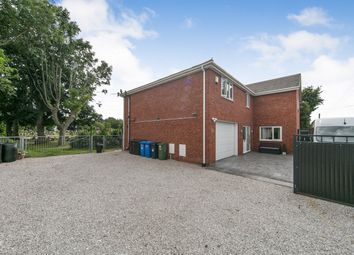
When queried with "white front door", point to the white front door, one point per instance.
{"points": [[246, 139], [226, 140]]}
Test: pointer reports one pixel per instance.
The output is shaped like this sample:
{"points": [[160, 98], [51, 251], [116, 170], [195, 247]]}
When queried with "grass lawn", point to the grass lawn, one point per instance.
{"points": [[48, 152], [48, 148], [54, 152]]}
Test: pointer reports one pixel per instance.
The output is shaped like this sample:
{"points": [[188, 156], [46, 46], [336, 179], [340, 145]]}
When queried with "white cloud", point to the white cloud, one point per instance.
{"points": [[188, 23], [110, 35], [337, 80], [311, 16], [300, 45]]}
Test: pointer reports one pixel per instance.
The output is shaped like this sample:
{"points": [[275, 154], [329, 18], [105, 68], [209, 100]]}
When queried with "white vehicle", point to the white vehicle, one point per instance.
{"points": [[329, 127]]}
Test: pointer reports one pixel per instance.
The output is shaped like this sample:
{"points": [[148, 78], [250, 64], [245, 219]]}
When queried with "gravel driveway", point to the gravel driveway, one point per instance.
{"points": [[116, 203]]}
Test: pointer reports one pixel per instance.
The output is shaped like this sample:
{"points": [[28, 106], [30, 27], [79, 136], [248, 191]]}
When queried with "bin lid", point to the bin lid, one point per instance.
{"points": [[142, 142], [149, 142]]}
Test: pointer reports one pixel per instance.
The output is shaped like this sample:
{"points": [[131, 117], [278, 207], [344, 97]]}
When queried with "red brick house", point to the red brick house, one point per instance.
{"points": [[205, 114]]}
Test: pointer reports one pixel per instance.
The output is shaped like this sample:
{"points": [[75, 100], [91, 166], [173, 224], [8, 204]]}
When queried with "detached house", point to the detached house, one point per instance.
{"points": [[205, 114]]}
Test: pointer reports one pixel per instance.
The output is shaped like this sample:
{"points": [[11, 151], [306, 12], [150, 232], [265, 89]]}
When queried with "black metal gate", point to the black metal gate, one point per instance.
{"points": [[324, 169]]}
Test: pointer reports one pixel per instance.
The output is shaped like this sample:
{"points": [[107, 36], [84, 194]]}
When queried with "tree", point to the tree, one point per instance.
{"points": [[310, 101], [116, 126], [86, 120], [59, 73], [69, 82], [7, 89], [7, 75], [305, 115], [69, 73], [25, 27]]}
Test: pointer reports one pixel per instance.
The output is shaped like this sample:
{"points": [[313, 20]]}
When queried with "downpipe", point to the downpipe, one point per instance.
{"points": [[204, 98]]}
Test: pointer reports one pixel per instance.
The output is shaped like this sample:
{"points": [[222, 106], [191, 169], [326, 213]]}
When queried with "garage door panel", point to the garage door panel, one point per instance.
{"points": [[225, 140]]}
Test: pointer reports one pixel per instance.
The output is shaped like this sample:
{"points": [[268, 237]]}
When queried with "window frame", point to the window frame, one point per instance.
{"points": [[271, 140], [228, 87], [248, 100]]}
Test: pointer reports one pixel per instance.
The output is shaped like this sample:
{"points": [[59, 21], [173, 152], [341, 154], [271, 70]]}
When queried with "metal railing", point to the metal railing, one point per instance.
{"points": [[325, 138], [55, 145]]}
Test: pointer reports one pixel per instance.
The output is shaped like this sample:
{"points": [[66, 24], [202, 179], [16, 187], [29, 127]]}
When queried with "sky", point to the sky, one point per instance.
{"points": [[145, 40]]}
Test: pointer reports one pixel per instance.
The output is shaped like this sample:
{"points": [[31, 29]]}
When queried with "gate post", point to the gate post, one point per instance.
{"points": [[91, 142], [22, 143], [296, 151]]}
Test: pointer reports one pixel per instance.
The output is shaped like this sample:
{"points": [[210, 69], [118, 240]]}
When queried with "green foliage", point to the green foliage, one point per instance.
{"points": [[58, 71], [312, 96], [2, 129], [305, 115], [7, 74], [112, 126], [24, 31], [310, 100], [69, 72]]}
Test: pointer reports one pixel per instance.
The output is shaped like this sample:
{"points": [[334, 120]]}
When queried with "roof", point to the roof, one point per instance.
{"points": [[338, 121], [267, 87], [210, 64], [287, 83]]}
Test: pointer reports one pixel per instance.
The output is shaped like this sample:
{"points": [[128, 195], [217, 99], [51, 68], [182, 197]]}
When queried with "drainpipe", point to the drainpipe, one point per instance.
{"points": [[128, 121], [204, 163], [123, 136]]}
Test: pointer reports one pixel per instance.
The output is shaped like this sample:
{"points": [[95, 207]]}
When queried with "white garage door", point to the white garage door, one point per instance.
{"points": [[226, 137]]}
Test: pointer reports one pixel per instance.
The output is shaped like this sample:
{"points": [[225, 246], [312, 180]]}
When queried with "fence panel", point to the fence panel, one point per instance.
{"points": [[324, 169]]}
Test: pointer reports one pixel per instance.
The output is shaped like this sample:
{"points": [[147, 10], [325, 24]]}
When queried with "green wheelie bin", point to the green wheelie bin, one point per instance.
{"points": [[162, 151], [9, 152], [155, 150]]}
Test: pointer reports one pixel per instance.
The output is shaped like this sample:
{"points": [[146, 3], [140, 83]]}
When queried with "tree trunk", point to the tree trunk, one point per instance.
{"points": [[40, 128], [39, 124], [61, 140], [15, 127], [9, 128], [63, 126]]}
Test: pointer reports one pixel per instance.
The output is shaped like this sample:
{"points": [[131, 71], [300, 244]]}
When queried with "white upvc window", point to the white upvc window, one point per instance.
{"points": [[227, 89], [270, 133], [248, 100]]}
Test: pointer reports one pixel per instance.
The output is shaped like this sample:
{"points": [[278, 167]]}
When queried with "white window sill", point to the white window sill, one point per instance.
{"points": [[227, 98], [270, 140]]}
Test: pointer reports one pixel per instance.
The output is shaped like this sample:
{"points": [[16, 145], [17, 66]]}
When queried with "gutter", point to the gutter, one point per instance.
{"points": [[204, 96]]}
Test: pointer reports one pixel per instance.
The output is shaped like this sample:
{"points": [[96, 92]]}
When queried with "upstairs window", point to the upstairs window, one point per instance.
{"points": [[248, 100], [271, 133], [227, 89]]}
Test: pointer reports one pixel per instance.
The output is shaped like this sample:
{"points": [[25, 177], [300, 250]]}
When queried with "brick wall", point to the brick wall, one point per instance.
{"points": [[170, 113], [279, 109], [226, 110]]}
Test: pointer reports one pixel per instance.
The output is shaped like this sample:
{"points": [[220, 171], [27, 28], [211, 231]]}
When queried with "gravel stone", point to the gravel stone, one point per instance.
{"points": [[117, 203]]}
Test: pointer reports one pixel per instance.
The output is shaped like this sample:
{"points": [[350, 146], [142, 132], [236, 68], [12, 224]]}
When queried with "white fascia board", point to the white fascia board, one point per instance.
{"points": [[220, 70]]}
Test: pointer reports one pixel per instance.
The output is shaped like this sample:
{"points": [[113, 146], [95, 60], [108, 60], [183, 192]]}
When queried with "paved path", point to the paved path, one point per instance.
{"points": [[116, 203], [272, 166]]}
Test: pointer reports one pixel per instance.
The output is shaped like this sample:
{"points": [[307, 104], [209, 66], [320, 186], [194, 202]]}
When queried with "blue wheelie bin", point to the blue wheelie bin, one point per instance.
{"points": [[142, 148], [147, 150]]}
